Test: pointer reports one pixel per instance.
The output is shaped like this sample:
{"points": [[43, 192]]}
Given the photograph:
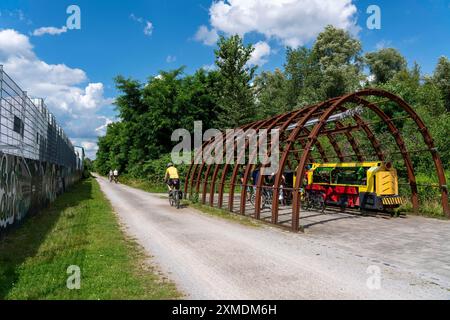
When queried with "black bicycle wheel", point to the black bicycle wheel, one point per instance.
{"points": [[263, 201], [177, 199], [171, 199], [253, 199], [322, 210], [305, 203]]}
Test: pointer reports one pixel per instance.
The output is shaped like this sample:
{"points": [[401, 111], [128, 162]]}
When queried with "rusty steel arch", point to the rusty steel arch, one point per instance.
{"points": [[293, 130]]}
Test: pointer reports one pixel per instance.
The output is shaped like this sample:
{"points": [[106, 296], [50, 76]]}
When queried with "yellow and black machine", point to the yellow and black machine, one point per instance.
{"points": [[363, 185]]}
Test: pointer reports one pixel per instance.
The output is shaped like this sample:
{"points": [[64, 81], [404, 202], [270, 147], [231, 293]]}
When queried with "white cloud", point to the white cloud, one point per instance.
{"points": [[206, 36], [209, 67], [260, 53], [171, 59], [383, 44], [14, 43], [148, 26], [90, 146], [148, 30], [293, 22], [17, 15], [138, 19], [102, 129], [70, 97], [49, 30]]}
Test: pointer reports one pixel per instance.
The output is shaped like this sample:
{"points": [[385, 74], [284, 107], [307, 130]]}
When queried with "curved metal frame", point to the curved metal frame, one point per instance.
{"points": [[307, 139]]}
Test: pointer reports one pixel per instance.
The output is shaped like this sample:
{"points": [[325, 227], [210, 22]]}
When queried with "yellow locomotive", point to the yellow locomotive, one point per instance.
{"points": [[364, 185]]}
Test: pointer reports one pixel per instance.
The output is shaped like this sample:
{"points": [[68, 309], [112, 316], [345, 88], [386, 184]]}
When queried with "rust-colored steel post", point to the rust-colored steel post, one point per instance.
{"points": [[370, 135], [208, 147], [205, 182], [321, 111], [336, 147], [259, 182], [427, 139], [290, 142], [274, 123], [226, 166], [191, 172], [186, 180], [212, 187], [301, 167], [314, 134], [211, 144], [319, 145], [238, 161], [352, 141], [192, 180], [400, 144], [208, 169], [222, 186], [199, 175]]}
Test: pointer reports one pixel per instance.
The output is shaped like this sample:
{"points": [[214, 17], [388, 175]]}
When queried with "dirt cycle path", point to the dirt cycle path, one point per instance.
{"points": [[212, 258]]}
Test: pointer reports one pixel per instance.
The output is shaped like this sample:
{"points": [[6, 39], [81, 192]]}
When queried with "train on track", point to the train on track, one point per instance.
{"points": [[363, 185]]}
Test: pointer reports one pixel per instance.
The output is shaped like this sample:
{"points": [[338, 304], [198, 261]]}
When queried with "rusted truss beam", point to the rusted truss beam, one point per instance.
{"points": [[293, 134]]}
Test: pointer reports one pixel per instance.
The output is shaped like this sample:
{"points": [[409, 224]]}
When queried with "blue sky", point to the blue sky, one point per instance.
{"points": [[74, 69]]}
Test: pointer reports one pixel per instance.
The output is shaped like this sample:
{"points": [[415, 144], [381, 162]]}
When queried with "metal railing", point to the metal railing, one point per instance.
{"points": [[29, 130]]}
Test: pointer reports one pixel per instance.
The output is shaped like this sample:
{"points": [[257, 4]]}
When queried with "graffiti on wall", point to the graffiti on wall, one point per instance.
{"points": [[15, 189], [29, 185]]}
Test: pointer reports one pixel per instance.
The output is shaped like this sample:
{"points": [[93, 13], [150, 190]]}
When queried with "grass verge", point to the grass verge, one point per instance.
{"points": [[429, 209], [143, 184], [79, 229]]}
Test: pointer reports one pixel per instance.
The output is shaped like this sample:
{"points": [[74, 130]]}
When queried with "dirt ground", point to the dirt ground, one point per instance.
{"points": [[340, 256]]}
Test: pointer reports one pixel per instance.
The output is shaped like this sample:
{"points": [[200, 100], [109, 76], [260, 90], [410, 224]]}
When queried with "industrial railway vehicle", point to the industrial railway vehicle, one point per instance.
{"points": [[363, 185]]}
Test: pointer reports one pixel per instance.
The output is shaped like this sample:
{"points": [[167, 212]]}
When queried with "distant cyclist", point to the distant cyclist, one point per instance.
{"points": [[116, 175], [110, 175], [171, 178]]}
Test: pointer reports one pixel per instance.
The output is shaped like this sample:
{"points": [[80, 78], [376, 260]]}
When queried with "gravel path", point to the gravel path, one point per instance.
{"points": [[212, 258]]}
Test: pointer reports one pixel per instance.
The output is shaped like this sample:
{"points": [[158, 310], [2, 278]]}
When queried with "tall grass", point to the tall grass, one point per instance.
{"points": [[78, 229]]}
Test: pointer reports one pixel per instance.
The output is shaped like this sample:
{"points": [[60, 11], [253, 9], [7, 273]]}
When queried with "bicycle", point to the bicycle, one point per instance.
{"points": [[313, 200], [266, 198], [175, 198]]}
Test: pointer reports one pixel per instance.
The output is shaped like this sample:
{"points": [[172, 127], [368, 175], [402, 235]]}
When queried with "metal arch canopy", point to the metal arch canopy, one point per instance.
{"points": [[304, 127]]}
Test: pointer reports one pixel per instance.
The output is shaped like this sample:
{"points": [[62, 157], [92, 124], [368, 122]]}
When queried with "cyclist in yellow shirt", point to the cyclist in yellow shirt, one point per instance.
{"points": [[172, 179]]}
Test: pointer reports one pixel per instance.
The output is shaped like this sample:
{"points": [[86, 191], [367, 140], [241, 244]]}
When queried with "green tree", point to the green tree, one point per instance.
{"points": [[271, 94], [338, 56], [149, 114], [426, 99], [130, 103], [113, 149], [235, 96], [331, 68], [441, 78], [302, 73], [385, 63]]}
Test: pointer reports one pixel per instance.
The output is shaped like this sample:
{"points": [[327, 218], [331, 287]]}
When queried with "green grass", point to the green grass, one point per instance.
{"points": [[143, 184], [427, 208], [79, 229], [429, 196]]}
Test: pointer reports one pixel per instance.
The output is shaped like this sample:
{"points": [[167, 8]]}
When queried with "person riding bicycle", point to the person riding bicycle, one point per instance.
{"points": [[171, 178], [116, 175]]}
